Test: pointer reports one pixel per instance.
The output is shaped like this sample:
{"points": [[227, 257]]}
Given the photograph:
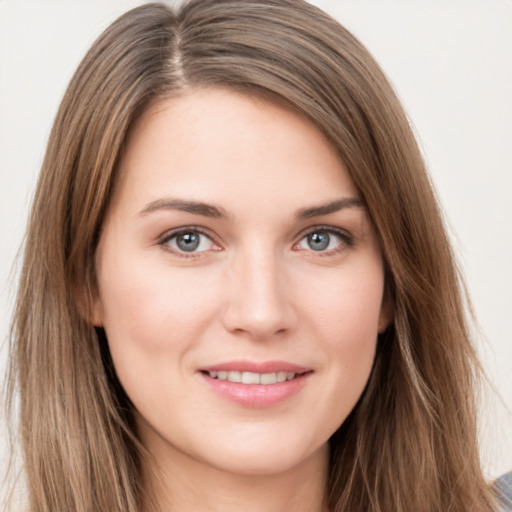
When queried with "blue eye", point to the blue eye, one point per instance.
{"points": [[323, 240], [189, 241]]}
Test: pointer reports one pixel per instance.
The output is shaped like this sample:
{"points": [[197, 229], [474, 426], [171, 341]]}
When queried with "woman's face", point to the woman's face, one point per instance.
{"points": [[236, 248]]}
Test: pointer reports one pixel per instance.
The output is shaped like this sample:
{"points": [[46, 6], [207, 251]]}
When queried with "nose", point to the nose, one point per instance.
{"points": [[259, 300]]}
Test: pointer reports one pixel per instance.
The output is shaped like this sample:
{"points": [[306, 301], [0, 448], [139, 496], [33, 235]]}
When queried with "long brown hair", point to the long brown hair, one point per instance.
{"points": [[410, 443]]}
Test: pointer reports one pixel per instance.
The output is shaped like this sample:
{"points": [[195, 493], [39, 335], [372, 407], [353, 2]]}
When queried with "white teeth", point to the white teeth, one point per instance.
{"points": [[268, 378], [235, 377], [281, 376], [251, 377]]}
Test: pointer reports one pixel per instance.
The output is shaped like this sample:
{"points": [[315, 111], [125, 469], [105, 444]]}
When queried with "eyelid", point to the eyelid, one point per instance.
{"points": [[346, 237], [169, 235]]}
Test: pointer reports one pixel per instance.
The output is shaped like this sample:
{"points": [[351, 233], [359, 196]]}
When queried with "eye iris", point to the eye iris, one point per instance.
{"points": [[318, 241], [188, 241]]}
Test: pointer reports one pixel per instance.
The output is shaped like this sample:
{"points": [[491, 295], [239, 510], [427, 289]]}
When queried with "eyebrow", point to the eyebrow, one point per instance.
{"points": [[332, 207], [216, 212], [195, 207]]}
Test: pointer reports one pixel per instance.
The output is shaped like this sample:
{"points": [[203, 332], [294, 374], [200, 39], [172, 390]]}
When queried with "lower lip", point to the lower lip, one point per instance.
{"points": [[257, 395]]}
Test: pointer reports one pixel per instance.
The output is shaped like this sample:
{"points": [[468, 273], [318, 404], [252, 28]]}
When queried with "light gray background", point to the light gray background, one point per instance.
{"points": [[451, 63]]}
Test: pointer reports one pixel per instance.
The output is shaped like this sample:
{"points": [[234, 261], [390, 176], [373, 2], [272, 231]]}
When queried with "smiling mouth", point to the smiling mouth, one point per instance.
{"points": [[252, 377], [239, 377], [274, 383]]}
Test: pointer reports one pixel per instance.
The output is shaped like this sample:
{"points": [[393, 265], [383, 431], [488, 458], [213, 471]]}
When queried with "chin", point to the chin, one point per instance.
{"points": [[266, 458]]}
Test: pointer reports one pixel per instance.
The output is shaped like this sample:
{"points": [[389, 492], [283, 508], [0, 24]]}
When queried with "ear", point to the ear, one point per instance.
{"points": [[89, 304], [387, 313], [96, 313]]}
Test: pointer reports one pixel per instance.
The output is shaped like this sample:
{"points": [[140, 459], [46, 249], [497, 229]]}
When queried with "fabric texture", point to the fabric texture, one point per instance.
{"points": [[504, 488]]}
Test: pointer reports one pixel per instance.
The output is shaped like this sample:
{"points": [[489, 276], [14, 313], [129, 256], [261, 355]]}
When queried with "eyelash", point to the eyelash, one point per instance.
{"points": [[346, 240], [164, 241]]}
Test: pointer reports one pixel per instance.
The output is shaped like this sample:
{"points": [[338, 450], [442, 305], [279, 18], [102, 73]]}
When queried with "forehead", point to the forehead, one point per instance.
{"points": [[218, 145]]}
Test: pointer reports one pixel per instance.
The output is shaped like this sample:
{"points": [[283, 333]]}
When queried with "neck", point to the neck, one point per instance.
{"points": [[181, 484]]}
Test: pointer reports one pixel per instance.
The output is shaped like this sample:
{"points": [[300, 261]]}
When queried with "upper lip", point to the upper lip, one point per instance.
{"points": [[256, 367]]}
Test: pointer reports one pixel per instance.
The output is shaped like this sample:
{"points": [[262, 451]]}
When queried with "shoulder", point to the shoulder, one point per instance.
{"points": [[504, 489]]}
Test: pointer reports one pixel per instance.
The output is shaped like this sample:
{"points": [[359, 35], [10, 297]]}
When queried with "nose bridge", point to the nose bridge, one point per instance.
{"points": [[259, 300]]}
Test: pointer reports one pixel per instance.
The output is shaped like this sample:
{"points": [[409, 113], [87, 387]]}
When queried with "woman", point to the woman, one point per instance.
{"points": [[237, 289]]}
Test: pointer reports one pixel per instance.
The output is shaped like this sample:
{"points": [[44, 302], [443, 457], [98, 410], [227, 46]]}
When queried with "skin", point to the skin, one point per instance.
{"points": [[253, 290]]}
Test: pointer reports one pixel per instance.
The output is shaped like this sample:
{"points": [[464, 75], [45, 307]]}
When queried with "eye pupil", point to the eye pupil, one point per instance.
{"points": [[318, 241], [188, 241]]}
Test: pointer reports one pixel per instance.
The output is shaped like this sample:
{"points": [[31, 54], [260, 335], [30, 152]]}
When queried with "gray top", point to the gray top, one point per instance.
{"points": [[504, 487]]}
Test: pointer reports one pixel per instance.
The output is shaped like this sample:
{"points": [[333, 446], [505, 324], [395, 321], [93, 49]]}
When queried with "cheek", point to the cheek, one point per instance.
{"points": [[154, 319], [152, 312], [344, 313], [347, 306]]}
